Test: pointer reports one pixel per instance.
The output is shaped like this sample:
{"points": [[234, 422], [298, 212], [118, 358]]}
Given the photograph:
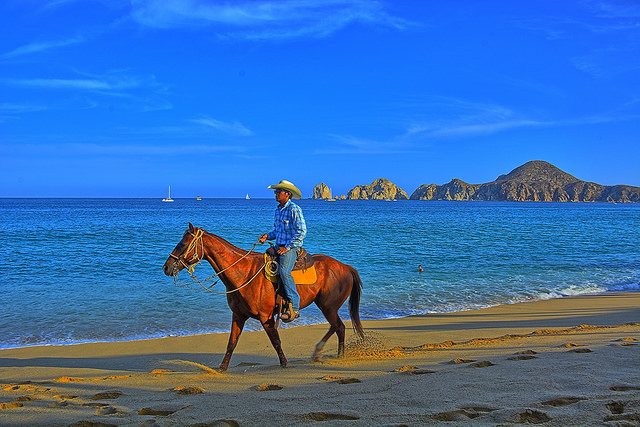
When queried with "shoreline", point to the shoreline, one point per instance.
{"points": [[257, 327], [497, 365]]}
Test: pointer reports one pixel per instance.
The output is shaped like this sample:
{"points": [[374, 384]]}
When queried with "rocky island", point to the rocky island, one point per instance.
{"points": [[380, 189], [321, 191]]}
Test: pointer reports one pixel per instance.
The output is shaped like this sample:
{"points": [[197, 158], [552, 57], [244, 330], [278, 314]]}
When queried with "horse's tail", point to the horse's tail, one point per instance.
{"points": [[354, 303]]}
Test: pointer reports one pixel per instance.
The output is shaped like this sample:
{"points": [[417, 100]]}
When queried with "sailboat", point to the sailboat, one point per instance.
{"points": [[168, 199], [198, 198], [247, 197]]}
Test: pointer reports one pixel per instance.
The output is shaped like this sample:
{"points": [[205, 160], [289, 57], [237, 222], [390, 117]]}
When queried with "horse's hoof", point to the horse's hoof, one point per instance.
{"points": [[222, 368]]}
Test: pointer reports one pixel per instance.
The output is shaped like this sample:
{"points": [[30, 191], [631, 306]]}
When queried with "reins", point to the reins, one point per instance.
{"points": [[197, 259]]}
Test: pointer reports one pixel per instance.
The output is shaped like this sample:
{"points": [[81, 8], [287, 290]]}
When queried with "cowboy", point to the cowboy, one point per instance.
{"points": [[289, 230]]}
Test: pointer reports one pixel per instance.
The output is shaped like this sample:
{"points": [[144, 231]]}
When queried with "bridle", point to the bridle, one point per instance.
{"points": [[195, 259]]}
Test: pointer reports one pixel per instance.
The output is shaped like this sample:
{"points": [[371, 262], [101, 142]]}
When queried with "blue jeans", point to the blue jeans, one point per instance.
{"points": [[287, 261]]}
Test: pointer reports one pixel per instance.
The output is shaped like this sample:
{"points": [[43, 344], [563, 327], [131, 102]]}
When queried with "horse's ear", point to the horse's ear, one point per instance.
{"points": [[191, 228]]}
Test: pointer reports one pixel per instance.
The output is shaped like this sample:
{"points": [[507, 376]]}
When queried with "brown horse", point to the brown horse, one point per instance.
{"points": [[251, 295]]}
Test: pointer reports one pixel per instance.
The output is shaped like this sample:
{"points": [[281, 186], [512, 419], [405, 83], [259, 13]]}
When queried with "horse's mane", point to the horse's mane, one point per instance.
{"points": [[229, 245]]}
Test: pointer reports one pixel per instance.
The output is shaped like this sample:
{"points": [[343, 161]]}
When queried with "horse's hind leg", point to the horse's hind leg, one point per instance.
{"points": [[337, 327], [270, 328], [237, 324], [321, 343]]}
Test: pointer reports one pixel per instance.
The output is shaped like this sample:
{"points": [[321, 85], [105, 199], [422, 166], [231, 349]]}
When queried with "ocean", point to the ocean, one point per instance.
{"points": [[88, 270]]}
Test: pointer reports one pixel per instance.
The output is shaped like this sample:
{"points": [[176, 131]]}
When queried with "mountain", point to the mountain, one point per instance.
{"points": [[536, 180], [321, 191], [380, 189]]}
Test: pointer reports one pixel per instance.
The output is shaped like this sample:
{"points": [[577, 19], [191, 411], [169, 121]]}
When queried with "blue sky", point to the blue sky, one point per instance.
{"points": [[111, 98]]}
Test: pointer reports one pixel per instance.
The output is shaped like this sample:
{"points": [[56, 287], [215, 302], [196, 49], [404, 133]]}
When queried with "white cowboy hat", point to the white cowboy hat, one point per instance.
{"points": [[287, 185]]}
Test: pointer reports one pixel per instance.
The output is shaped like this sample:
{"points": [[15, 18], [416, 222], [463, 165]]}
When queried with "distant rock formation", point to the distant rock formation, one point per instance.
{"points": [[454, 190], [533, 181], [380, 189], [321, 191]]}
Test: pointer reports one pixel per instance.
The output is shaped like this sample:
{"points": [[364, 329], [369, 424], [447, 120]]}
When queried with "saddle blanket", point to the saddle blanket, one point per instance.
{"points": [[300, 277]]}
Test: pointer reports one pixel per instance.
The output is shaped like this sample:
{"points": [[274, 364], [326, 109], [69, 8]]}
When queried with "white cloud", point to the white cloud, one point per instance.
{"points": [[118, 149], [264, 19], [231, 128], [9, 108], [419, 136], [81, 84], [40, 47]]}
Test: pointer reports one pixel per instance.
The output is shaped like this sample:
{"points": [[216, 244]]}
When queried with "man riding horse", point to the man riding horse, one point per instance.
{"points": [[289, 231]]}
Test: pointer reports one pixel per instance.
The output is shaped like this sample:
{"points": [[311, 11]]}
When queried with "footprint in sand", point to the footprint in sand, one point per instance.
{"points": [[106, 410], [580, 350], [463, 414], [24, 387], [626, 341], [482, 364], [526, 352], [522, 357], [162, 411], [94, 404], [348, 381], [327, 416], [330, 378], [221, 423], [570, 345], [339, 380], [86, 423], [531, 417], [113, 394], [615, 407], [187, 391], [633, 418], [65, 396], [459, 361], [11, 405], [562, 401], [268, 387], [413, 370], [623, 387]]}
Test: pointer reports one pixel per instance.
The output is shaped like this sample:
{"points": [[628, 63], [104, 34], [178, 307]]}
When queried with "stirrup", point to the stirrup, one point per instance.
{"points": [[289, 314]]}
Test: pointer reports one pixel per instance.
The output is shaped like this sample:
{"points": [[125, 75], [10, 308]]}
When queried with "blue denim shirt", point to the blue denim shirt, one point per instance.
{"points": [[289, 227]]}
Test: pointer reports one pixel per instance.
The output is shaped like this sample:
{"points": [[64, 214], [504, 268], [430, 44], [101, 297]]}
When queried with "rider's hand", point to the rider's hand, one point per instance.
{"points": [[263, 238], [282, 250]]}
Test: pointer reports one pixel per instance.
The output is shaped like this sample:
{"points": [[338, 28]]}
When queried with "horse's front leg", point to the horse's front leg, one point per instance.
{"points": [[270, 328], [237, 323]]}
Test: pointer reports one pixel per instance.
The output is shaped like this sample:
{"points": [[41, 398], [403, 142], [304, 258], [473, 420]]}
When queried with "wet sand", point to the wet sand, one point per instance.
{"points": [[571, 361]]}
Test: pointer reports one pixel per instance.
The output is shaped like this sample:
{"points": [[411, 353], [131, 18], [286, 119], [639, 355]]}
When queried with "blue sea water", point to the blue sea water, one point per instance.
{"points": [[83, 270]]}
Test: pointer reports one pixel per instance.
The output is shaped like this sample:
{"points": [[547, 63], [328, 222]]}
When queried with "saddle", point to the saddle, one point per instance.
{"points": [[304, 260], [304, 270]]}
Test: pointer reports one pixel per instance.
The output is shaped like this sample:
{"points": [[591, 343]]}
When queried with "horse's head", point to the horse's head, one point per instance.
{"points": [[185, 254]]}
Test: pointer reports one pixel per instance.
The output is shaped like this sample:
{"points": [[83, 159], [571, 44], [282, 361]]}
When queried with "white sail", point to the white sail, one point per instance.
{"points": [[168, 199], [247, 197]]}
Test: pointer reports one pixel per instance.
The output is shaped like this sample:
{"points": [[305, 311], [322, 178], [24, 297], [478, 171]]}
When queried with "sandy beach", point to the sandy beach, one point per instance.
{"points": [[570, 361]]}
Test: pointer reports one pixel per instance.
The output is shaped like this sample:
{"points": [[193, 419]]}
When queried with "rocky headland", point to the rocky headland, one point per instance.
{"points": [[536, 181]]}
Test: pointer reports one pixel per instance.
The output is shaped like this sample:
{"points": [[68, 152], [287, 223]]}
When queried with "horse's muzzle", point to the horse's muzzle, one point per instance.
{"points": [[170, 267]]}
